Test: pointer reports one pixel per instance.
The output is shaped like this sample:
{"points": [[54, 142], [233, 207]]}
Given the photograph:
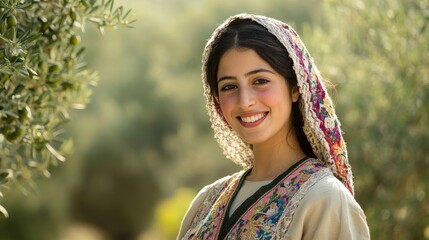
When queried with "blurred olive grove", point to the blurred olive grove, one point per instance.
{"points": [[143, 147]]}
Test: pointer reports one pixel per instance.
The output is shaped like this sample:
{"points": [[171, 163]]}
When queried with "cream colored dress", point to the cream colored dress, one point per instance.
{"points": [[327, 211]]}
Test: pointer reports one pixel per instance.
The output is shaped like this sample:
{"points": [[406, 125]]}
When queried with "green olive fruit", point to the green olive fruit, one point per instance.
{"points": [[11, 21], [68, 86], [54, 67], [72, 15], [44, 26], [74, 40], [24, 114], [4, 76], [19, 132]]}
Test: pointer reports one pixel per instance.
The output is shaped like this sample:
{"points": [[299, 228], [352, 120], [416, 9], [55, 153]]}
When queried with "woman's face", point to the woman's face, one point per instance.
{"points": [[255, 100]]}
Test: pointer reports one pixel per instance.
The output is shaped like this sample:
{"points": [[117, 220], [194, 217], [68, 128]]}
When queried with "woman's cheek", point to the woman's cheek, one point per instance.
{"points": [[227, 106], [274, 96]]}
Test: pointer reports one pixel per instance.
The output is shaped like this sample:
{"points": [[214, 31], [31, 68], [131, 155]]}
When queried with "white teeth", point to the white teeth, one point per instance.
{"points": [[253, 118]]}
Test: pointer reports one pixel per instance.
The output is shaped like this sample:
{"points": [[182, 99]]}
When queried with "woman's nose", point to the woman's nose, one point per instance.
{"points": [[246, 98]]}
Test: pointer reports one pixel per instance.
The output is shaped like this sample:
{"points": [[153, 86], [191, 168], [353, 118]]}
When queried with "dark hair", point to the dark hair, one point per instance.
{"points": [[245, 33]]}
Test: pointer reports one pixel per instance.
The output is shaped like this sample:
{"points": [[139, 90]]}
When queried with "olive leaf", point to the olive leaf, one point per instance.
{"points": [[42, 76]]}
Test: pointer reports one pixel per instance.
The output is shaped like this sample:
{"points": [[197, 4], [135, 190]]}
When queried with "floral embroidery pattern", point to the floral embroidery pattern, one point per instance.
{"points": [[261, 219], [211, 210]]}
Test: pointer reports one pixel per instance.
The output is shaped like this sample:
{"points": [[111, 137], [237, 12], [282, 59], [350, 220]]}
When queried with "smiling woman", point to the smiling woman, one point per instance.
{"points": [[255, 100], [270, 114]]}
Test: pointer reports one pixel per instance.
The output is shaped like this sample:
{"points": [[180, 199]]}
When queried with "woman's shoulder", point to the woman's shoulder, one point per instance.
{"points": [[330, 195], [322, 182], [204, 197], [223, 181], [218, 184], [214, 187], [327, 194], [328, 210], [331, 189]]}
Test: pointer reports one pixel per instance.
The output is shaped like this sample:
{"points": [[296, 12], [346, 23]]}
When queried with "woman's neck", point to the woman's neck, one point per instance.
{"points": [[272, 159]]}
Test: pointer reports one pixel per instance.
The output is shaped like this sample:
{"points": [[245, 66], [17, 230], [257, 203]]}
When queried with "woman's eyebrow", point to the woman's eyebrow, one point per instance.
{"points": [[247, 74], [258, 71], [226, 78]]}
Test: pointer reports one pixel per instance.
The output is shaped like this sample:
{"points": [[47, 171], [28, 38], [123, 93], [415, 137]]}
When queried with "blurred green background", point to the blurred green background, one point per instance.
{"points": [[144, 147]]}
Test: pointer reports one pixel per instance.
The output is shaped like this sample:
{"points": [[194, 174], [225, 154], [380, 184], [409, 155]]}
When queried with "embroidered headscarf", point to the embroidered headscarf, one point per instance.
{"points": [[321, 125]]}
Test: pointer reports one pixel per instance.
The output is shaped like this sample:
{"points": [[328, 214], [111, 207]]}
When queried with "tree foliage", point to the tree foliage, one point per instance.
{"points": [[42, 76]]}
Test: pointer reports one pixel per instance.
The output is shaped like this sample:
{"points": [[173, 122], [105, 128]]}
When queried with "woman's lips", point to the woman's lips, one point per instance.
{"points": [[252, 120]]}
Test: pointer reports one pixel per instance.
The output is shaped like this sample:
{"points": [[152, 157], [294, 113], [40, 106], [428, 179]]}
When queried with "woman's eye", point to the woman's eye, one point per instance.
{"points": [[227, 87], [261, 81]]}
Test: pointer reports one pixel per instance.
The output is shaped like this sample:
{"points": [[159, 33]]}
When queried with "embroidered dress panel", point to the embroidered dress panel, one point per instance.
{"points": [[248, 189], [259, 218]]}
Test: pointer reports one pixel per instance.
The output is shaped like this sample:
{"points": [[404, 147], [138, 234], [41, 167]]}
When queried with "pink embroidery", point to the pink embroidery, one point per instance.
{"points": [[260, 220]]}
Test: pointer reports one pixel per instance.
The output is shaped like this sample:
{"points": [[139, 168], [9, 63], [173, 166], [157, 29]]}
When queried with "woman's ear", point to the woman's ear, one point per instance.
{"points": [[295, 94], [218, 109]]}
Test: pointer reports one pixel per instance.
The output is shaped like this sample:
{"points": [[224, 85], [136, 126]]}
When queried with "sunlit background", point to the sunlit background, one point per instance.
{"points": [[143, 147]]}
